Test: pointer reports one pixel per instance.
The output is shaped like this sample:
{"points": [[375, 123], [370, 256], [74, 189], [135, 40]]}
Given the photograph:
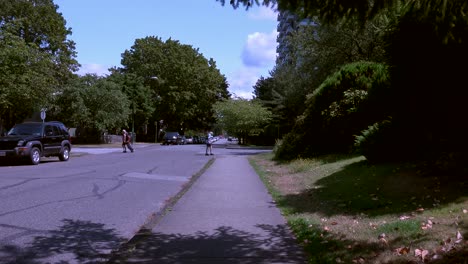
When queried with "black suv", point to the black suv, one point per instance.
{"points": [[33, 140], [171, 138]]}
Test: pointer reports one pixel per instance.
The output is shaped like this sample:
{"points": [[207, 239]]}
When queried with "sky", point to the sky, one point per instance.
{"points": [[243, 43]]}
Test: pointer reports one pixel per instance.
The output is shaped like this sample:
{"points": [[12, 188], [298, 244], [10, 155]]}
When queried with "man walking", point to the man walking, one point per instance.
{"points": [[209, 143], [126, 141]]}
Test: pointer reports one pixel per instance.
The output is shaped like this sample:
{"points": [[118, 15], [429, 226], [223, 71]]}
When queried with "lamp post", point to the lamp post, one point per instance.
{"points": [[156, 132], [133, 123]]}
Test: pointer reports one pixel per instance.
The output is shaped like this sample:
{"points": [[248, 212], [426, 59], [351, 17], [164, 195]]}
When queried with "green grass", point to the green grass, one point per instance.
{"points": [[410, 229], [338, 206]]}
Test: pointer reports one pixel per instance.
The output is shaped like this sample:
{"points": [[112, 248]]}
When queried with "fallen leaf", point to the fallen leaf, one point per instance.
{"points": [[421, 253], [384, 241], [404, 217], [402, 250], [459, 238], [359, 260], [427, 225], [334, 223]]}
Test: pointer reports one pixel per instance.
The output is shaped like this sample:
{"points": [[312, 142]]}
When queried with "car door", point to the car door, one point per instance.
{"points": [[52, 140]]}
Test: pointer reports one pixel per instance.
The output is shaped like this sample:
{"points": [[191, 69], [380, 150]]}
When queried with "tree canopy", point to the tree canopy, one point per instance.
{"points": [[93, 103], [36, 58], [241, 117], [184, 83]]}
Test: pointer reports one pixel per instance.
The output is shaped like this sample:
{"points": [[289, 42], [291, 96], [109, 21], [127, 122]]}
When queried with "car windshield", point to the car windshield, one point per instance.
{"points": [[25, 129], [171, 134]]}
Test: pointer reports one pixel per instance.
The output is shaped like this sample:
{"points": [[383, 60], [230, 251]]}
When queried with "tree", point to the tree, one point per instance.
{"points": [[26, 80], [347, 102], [94, 104], [140, 97], [332, 11], [36, 59], [184, 83], [241, 117]]}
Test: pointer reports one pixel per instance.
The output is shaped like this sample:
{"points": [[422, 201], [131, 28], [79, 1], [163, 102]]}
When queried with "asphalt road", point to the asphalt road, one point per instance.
{"points": [[92, 203], [82, 209]]}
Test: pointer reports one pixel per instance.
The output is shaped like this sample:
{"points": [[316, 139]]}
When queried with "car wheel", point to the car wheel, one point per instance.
{"points": [[35, 156], [64, 154]]}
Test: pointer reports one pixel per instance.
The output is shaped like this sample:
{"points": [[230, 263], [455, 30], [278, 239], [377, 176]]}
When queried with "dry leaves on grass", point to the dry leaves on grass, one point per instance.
{"points": [[422, 254], [427, 225], [402, 251], [383, 239]]}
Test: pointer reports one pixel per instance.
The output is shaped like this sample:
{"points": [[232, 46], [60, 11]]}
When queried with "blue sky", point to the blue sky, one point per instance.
{"points": [[243, 43]]}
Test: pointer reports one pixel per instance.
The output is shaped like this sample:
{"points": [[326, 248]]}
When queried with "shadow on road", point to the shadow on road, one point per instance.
{"points": [[222, 245], [83, 241], [87, 242]]}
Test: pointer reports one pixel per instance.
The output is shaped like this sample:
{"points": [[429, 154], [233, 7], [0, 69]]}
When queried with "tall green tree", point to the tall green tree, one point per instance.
{"points": [[94, 104], [185, 84], [25, 79], [140, 97], [37, 59], [242, 117]]}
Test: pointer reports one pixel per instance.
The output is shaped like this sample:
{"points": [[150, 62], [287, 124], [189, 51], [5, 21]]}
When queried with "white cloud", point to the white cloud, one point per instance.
{"points": [[97, 69], [258, 58], [260, 49], [241, 82], [263, 13]]}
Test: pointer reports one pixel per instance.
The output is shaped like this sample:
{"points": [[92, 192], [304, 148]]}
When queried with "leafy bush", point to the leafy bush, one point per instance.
{"points": [[346, 102], [289, 147], [376, 143]]}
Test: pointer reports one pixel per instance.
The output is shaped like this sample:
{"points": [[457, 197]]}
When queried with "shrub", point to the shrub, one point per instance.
{"points": [[289, 147], [346, 102], [376, 143]]}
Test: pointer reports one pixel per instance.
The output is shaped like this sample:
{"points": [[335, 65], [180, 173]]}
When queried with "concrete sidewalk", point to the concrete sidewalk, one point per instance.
{"points": [[227, 216]]}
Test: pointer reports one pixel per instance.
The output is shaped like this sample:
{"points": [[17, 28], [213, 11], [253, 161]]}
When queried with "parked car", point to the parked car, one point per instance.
{"points": [[181, 140], [171, 138], [32, 140], [189, 140]]}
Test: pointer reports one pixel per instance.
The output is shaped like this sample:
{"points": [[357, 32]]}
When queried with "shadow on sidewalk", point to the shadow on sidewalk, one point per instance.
{"points": [[87, 242], [223, 245]]}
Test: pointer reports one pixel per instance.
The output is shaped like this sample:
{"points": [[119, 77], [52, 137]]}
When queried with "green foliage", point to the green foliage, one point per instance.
{"points": [[36, 58], [346, 102], [333, 11], [241, 117], [93, 103], [183, 82], [26, 78], [377, 142], [425, 52], [139, 95], [290, 147]]}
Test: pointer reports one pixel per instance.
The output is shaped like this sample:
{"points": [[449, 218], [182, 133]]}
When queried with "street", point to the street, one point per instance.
{"points": [[87, 207], [91, 203]]}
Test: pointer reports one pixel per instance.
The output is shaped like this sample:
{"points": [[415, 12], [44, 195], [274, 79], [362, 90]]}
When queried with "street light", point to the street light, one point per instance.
{"points": [[133, 123], [157, 123]]}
